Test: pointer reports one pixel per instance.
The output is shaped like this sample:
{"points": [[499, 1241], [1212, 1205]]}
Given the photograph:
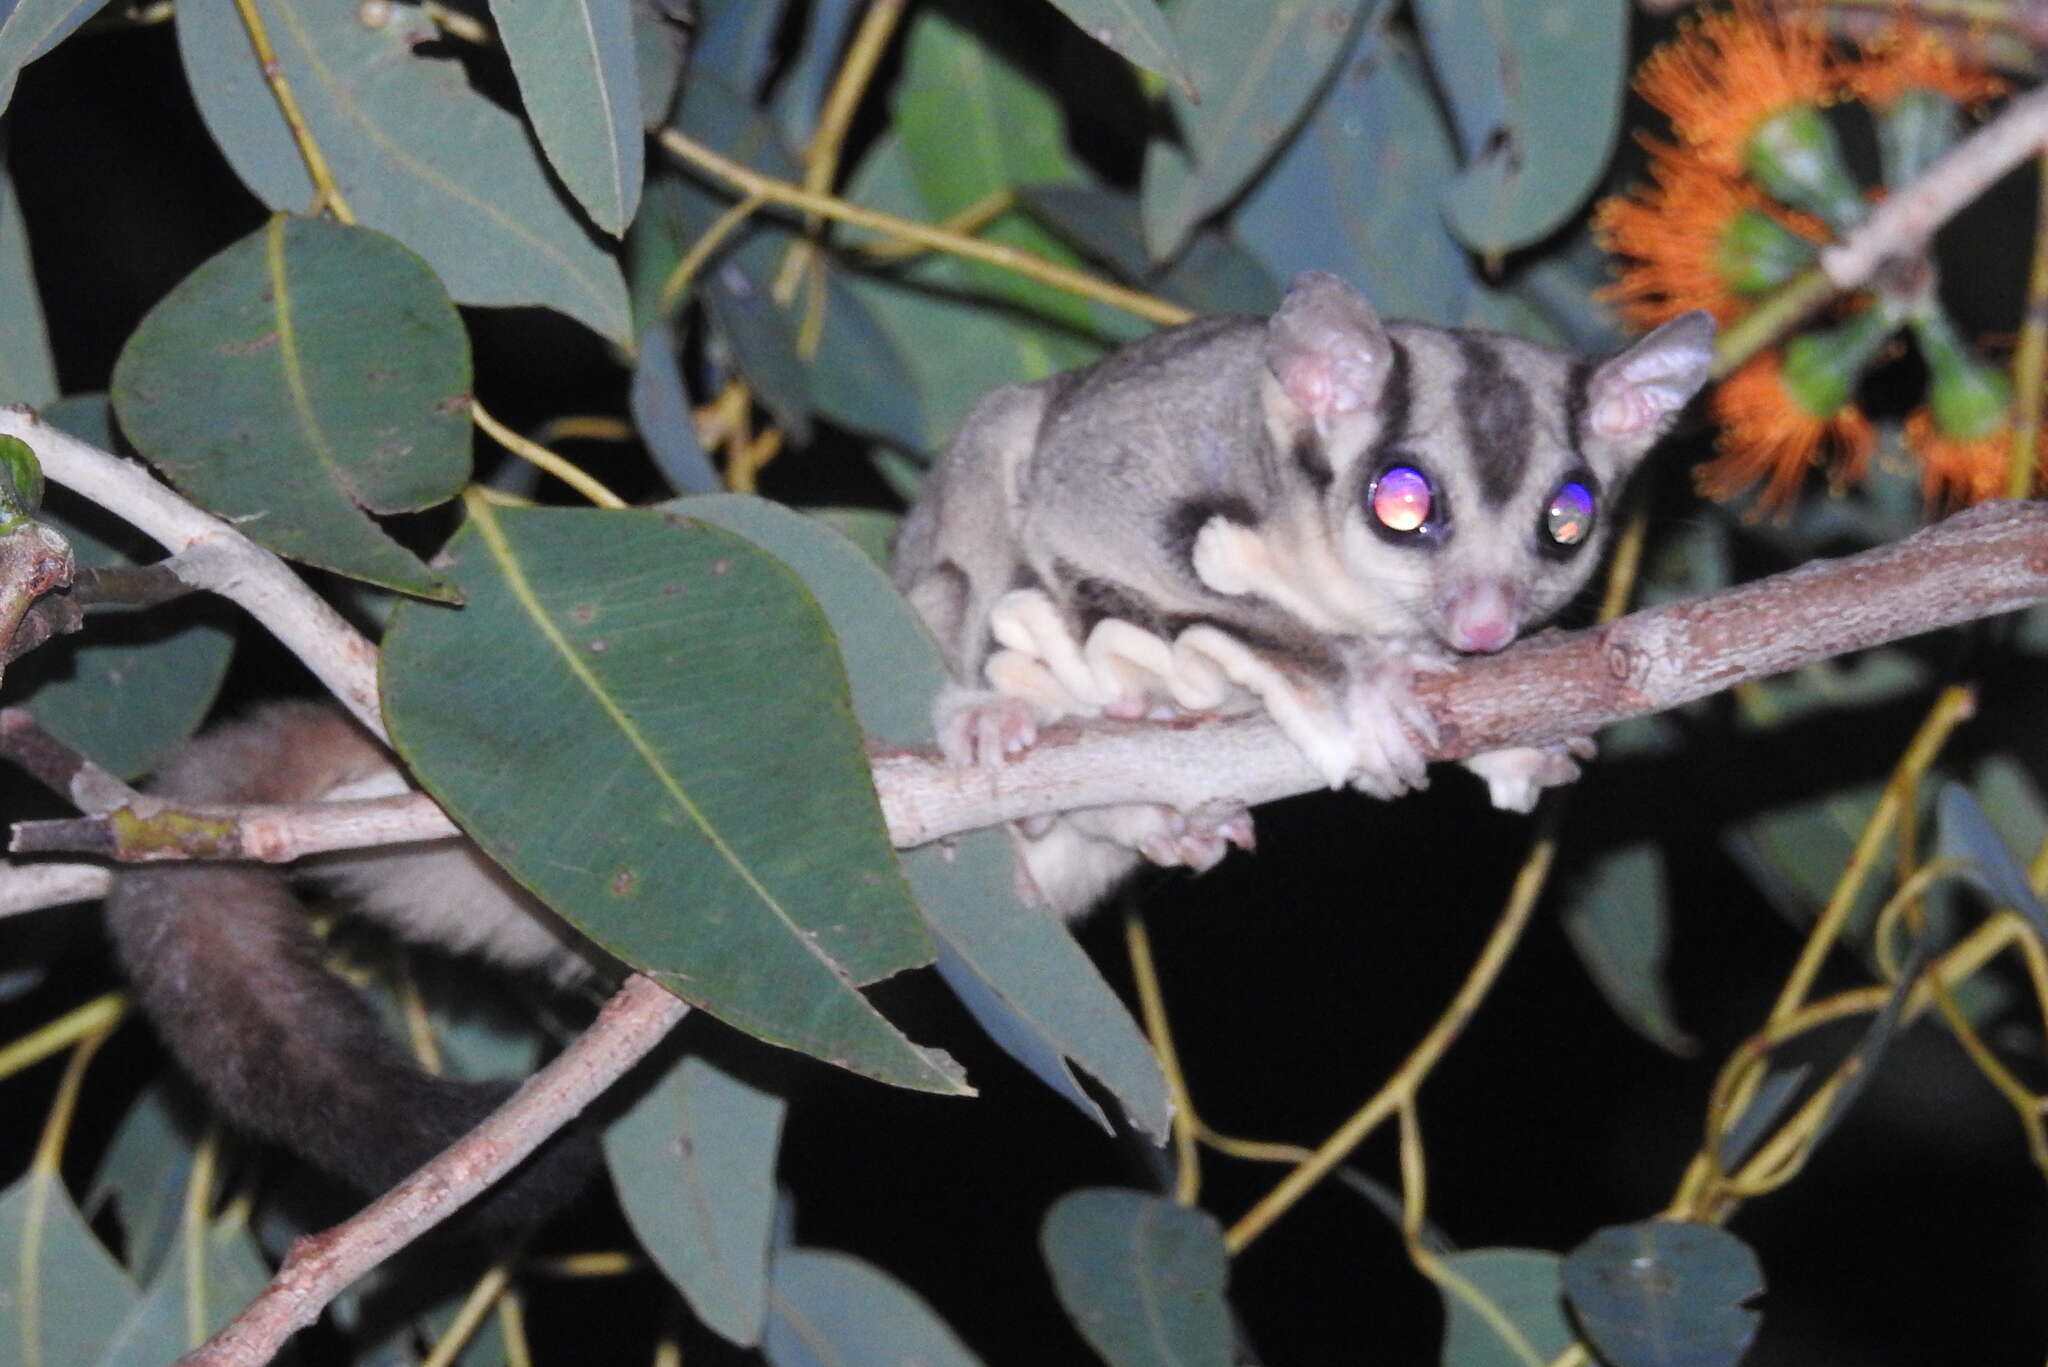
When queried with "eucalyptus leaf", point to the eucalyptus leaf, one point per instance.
{"points": [[694, 1166], [1137, 31], [833, 1310], [142, 1176], [27, 372], [859, 377], [1141, 1277], [661, 42], [1536, 91], [1257, 67], [229, 1274], [971, 125], [32, 28], [63, 1296], [734, 41], [580, 82], [1665, 1293], [1968, 835], [305, 376], [761, 336], [1618, 919], [1503, 1307], [662, 416], [801, 89], [711, 821], [1356, 191], [1773, 1095], [413, 147], [1016, 969]]}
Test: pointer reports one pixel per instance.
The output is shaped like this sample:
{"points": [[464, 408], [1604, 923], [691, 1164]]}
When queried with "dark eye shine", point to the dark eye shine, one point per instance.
{"points": [[1401, 499], [1568, 521]]}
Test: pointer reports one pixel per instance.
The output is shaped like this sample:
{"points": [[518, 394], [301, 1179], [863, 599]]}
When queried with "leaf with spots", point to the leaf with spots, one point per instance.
{"points": [[694, 1165], [1665, 1293], [643, 719], [305, 377], [1141, 1277]]}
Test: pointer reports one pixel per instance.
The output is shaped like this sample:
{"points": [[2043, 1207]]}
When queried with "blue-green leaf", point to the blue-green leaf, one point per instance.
{"points": [[676, 690], [579, 80], [833, 1310], [1967, 834], [1137, 31], [661, 415], [1256, 67], [27, 372], [31, 29], [1141, 1277], [1665, 1293], [62, 1295], [694, 1164], [415, 149], [1016, 969], [306, 376], [1536, 93], [227, 1275], [1618, 919], [1503, 1307]]}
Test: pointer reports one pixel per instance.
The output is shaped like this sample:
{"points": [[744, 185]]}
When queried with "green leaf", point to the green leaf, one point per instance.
{"points": [[1665, 1293], [1967, 834], [1136, 31], [662, 417], [31, 29], [136, 681], [143, 1175], [1538, 139], [27, 372], [694, 1164], [761, 336], [1141, 1277], [1503, 1308], [1772, 1096], [579, 81], [414, 148], [230, 1273], [1017, 970], [711, 818], [735, 42], [984, 346], [305, 376], [1255, 68], [833, 1310], [62, 1295], [1618, 919], [1356, 192], [660, 45], [971, 125]]}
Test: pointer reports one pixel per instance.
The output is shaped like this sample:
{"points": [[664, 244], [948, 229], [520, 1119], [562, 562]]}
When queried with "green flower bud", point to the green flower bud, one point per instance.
{"points": [[1755, 253], [1822, 368], [21, 483], [1969, 399], [1793, 155]]}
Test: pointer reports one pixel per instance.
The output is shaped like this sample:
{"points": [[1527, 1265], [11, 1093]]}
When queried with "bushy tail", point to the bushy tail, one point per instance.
{"points": [[223, 961]]}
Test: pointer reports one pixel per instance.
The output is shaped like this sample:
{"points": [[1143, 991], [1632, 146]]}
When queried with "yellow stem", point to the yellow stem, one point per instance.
{"points": [[968, 222], [1400, 1088], [482, 1297], [547, 460], [326, 194], [1950, 709], [54, 1036], [750, 182], [1187, 1176], [677, 282], [194, 1220], [584, 427]]}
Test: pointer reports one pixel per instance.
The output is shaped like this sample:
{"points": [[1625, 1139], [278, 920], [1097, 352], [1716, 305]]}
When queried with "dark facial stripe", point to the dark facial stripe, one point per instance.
{"points": [[1497, 412], [1396, 401], [1575, 381], [1311, 459]]}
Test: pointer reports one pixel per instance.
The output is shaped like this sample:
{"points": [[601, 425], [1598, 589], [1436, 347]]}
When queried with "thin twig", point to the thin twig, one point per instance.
{"points": [[638, 1017]]}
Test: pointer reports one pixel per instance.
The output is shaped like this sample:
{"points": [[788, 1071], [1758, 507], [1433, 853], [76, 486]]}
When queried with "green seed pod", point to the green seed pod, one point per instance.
{"points": [[1755, 253], [1822, 368], [21, 483], [1969, 398]]}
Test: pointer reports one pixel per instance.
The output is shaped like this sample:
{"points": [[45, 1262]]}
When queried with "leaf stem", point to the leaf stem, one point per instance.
{"points": [[547, 460], [326, 194]]}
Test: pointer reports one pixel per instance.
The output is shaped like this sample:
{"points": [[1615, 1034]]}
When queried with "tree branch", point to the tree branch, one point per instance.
{"points": [[638, 1017], [210, 554]]}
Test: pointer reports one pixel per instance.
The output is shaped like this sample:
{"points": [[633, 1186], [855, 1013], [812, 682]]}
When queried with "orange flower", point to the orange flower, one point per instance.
{"points": [[1728, 71], [1958, 471], [1766, 434], [1675, 230], [1906, 57]]}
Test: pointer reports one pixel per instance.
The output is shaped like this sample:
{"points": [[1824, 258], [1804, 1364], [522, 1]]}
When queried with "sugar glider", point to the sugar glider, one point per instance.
{"points": [[222, 959], [1296, 513]]}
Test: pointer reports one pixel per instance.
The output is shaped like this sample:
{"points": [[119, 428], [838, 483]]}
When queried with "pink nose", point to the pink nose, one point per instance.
{"points": [[1480, 615]]}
